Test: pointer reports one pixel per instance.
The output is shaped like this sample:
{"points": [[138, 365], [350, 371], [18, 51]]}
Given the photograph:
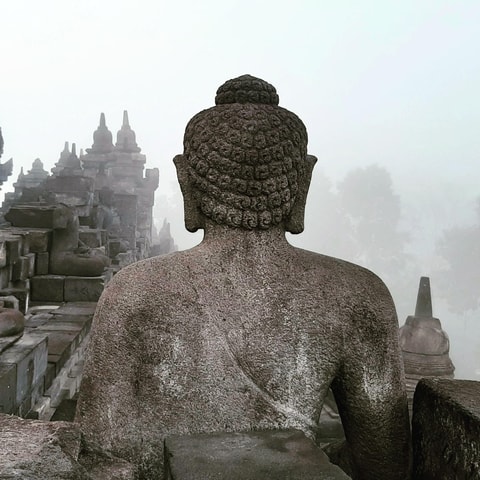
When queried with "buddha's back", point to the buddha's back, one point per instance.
{"points": [[244, 331]]}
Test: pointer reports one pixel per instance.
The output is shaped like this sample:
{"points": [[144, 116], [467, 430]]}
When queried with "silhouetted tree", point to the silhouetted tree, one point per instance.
{"points": [[460, 280], [373, 211]]}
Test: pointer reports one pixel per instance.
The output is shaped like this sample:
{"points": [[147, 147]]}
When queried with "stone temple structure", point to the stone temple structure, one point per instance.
{"points": [[425, 346], [5, 168], [243, 332]]}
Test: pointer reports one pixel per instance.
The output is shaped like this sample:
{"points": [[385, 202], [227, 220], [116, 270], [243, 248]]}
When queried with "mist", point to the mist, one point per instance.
{"points": [[388, 93]]}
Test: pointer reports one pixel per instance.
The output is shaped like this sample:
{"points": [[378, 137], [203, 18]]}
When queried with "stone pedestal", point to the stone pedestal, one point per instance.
{"points": [[259, 455]]}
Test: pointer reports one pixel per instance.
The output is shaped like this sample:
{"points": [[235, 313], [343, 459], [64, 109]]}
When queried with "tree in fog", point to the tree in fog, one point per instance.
{"points": [[373, 212], [459, 281]]}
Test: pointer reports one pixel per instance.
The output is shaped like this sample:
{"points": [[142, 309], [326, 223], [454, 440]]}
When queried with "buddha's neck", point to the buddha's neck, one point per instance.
{"points": [[252, 243]]}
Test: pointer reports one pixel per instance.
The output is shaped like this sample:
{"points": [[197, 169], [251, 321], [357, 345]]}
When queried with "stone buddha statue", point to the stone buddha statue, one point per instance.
{"points": [[244, 331]]}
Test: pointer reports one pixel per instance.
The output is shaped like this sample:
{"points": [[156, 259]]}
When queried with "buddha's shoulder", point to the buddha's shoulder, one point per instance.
{"points": [[349, 279], [160, 273]]}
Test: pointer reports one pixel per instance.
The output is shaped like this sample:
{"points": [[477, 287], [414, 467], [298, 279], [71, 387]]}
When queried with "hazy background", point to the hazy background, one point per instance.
{"points": [[389, 92]]}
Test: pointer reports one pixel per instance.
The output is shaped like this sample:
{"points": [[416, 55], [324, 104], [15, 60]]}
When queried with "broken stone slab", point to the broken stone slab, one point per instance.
{"points": [[37, 450], [446, 429], [29, 354], [39, 216], [256, 455], [83, 289]]}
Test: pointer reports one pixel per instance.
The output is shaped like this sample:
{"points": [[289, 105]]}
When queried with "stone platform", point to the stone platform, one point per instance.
{"points": [[44, 366]]}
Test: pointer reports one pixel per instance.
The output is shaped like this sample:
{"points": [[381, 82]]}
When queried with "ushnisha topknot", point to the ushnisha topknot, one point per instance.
{"points": [[246, 89], [245, 156]]}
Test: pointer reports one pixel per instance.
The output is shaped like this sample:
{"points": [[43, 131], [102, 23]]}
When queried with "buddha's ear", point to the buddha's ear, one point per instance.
{"points": [[193, 217], [295, 222]]}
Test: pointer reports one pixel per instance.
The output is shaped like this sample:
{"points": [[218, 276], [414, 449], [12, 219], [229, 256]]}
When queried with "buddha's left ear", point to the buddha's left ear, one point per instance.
{"points": [[193, 217], [296, 220]]}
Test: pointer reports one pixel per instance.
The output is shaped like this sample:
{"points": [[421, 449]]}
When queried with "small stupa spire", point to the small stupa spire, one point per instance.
{"points": [[424, 299], [125, 119], [102, 138], [126, 140]]}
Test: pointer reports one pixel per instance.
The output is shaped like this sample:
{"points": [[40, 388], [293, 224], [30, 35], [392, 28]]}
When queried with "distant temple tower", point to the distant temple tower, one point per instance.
{"points": [[121, 169], [425, 346]]}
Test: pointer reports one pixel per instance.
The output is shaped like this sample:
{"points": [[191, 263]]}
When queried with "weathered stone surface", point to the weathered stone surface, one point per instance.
{"points": [[48, 288], [3, 252], [41, 263], [34, 450], [39, 240], [446, 430], [261, 455], [38, 216], [24, 267], [83, 289], [244, 331], [91, 237], [21, 293], [8, 387], [6, 342], [10, 301], [29, 354], [13, 245], [5, 276], [12, 322], [61, 345], [76, 308]]}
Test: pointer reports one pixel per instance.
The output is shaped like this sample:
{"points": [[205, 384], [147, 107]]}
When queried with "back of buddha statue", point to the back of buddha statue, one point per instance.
{"points": [[244, 331]]}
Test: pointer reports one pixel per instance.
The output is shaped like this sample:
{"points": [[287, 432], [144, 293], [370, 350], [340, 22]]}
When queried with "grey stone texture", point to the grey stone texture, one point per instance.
{"points": [[33, 450], [29, 355], [244, 331], [446, 430], [261, 455]]}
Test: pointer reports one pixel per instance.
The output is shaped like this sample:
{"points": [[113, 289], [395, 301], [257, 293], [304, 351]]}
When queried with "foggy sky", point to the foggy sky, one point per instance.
{"points": [[391, 83]]}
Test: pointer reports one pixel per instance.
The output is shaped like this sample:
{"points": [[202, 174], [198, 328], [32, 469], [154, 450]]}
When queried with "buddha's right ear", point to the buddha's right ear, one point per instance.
{"points": [[194, 219]]}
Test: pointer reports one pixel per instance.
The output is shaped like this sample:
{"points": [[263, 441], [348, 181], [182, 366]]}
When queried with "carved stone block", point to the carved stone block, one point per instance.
{"points": [[83, 289], [29, 355], [38, 216], [48, 288]]}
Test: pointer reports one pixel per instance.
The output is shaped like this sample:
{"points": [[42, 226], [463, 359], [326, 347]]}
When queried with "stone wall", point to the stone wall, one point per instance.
{"points": [[446, 430]]}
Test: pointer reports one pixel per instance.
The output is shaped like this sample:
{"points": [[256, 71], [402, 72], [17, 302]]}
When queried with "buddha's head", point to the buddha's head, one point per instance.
{"points": [[245, 162]]}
